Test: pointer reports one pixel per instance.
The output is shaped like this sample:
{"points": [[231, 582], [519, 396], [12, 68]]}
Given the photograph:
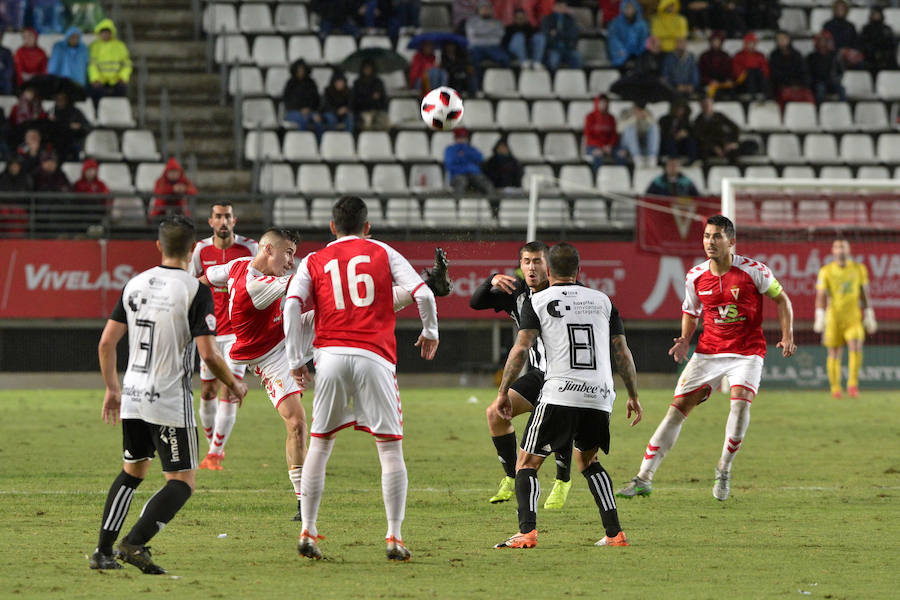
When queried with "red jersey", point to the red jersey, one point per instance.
{"points": [[731, 305], [254, 307], [205, 256], [349, 284]]}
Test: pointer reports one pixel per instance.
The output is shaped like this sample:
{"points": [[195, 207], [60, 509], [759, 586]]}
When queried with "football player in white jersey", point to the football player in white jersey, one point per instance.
{"points": [[163, 310], [576, 324]]}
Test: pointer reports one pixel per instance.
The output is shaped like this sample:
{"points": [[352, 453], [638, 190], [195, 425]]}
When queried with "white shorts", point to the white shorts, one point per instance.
{"points": [[355, 390], [706, 371], [275, 375], [224, 344]]}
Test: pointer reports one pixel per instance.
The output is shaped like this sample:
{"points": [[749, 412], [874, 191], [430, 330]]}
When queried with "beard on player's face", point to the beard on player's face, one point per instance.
{"points": [[223, 232]]}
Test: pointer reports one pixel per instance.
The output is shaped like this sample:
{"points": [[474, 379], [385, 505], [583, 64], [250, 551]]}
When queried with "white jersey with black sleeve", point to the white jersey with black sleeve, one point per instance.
{"points": [[164, 308], [575, 323]]}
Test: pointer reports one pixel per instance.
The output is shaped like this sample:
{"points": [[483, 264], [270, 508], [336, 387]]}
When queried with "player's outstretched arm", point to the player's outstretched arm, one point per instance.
{"points": [[786, 320], [106, 349], [518, 355], [679, 350], [209, 352], [628, 373]]}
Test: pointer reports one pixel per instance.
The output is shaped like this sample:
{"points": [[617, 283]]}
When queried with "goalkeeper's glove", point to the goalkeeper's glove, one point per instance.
{"points": [[869, 321], [819, 323]]}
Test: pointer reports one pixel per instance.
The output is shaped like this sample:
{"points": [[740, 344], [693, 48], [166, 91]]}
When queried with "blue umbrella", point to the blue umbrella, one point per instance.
{"points": [[438, 38]]}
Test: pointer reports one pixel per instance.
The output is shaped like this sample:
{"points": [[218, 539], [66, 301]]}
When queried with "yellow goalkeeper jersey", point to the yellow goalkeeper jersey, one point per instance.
{"points": [[843, 285]]}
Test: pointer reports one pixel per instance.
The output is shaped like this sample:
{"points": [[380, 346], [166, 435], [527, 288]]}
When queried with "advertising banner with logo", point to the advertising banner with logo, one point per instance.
{"points": [[676, 226]]}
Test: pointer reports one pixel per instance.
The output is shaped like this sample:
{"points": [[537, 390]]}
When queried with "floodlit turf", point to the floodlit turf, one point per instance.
{"points": [[814, 508]]}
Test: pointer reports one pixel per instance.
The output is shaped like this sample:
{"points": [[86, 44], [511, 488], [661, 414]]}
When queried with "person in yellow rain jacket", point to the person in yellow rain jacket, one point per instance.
{"points": [[109, 68], [668, 24]]}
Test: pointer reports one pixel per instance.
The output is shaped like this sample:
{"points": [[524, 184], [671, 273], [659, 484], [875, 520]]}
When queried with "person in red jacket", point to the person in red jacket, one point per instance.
{"points": [[28, 108], [601, 140], [751, 69], [424, 72], [30, 59], [91, 184], [171, 192]]}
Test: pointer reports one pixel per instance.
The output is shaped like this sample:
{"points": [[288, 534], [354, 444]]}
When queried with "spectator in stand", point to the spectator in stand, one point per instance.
{"points": [[825, 70], [626, 35], [338, 14], [461, 10], [30, 59], [502, 168], [716, 134], [535, 10], [842, 31], [668, 25], [70, 58], [48, 177], [70, 127], [89, 182], [30, 150], [301, 99], [640, 135], [601, 140], [672, 182], [879, 45], [12, 15], [562, 33], [462, 162], [788, 72], [336, 104], [370, 99], [15, 178], [405, 14], [4, 136], [376, 14], [48, 16], [699, 14], [716, 70], [28, 108], [85, 14], [608, 11], [460, 72], [424, 72], [680, 69], [751, 69], [761, 14], [676, 135], [644, 78], [485, 35], [7, 70], [524, 42], [109, 68], [171, 192]]}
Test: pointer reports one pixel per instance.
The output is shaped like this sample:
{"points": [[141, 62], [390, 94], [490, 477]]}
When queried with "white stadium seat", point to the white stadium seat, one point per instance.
{"points": [[719, 172], [887, 85], [570, 84], [548, 114], [320, 212], [577, 111], [276, 78], [115, 112], [232, 49], [255, 18], [870, 116], [484, 141], [404, 212], [525, 146], [760, 172], [117, 176], [793, 20], [732, 110], [374, 146], [820, 148], [614, 178], [290, 212], [146, 175], [301, 146], [499, 83], [375, 41], [291, 18], [784, 147], [643, 177], [411, 145], [139, 145], [389, 179], [338, 47], [872, 172], [440, 140], [102, 144], [276, 178], [600, 80], [513, 212], [72, 171], [798, 172], [590, 212], [404, 113], [593, 50], [258, 112], [262, 145], [561, 148], [246, 80], [553, 213], [535, 84], [478, 114], [575, 180], [835, 116], [314, 179], [857, 84], [818, 17], [545, 172], [889, 147], [219, 18], [424, 177], [337, 146], [475, 212], [307, 47], [800, 116], [351, 178], [439, 212], [513, 114], [857, 148], [269, 51], [833, 172], [765, 116]]}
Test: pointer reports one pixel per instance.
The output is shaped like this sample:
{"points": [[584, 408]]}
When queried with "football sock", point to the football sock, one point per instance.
{"points": [[854, 362], [528, 492], [118, 501], [313, 481], [159, 510], [296, 476], [834, 373], [735, 430], [506, 452], [662, 441], [225, 417], [564, 465], [601, 488], [393, 484], [208, 418]]}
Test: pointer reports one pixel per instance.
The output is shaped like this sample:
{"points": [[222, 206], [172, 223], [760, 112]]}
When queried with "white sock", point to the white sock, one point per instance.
{"points": [[313, 481], [225, 417], [208, 417], [393, 484], [295, 474], [735, 430], [662, 441]]}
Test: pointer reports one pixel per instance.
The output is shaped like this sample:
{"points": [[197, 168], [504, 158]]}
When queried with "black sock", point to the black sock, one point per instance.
{"points": [[118, 501], [506, 452], [601, 488], [158, 511], [564, 465], [528, 491]]}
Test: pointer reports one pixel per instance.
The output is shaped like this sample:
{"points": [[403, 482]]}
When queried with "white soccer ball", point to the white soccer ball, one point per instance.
{"points": [[442, 108]]}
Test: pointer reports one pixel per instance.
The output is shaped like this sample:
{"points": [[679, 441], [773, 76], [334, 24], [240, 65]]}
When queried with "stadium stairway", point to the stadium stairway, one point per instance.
{"points": [[164, 36]]}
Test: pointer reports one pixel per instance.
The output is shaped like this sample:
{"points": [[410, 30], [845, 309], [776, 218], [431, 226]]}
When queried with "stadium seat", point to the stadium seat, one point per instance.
{"points": [[583, 16], [886, 212], [850, 211], [337, 146], [475, 212], [561, 148], [760, 172], [553, 213], [600, 80], [314, 179], [276, 78], [307, 47], [146, 175], [139, 145], [717, 173], [276, 178], [820, 148], [439, 212], [695, 174], [258, 112], [402, 46], [424, 177], [887, 85], [375, 41], [593, 50], [262, 145], [545, 172], [374, 146], [784, 147], [576, 113], [439, 142], [549, 114], [232, 49], [764, 116], [800, 116], [576, 180], [872, 172], [322, 76], [219, 18], [114, 112], [389, 179], [291, 18], [117, 176], [411, 145], [72, 171], [102, 144], [404, 113], [351, 178], [479, 114], [570, 84], [813, 211], [255, 18], [589, 212], [394, 80], [889, 147], [435, 16], [85, 106], [870, 116], [128, 210], [499, 83], [525, 146], [857, 148], [338, 47], [290, 212], [793, 20], [892, 17], [745, 210], [513, 114], [269, 51], [484, 142], [614, 178], [301, 146], [857, 84], [320, 212], [734, 111], [513, 212], [246, 80], [535, 84], [798, 172], [623, 213], [835, 116], [404, 212], [776, 212], [835, 172], [818, 17], [643, 176]]}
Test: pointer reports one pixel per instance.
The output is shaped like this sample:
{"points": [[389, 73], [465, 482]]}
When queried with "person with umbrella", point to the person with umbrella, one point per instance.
{"points": [[424, 72], [70, 57]]}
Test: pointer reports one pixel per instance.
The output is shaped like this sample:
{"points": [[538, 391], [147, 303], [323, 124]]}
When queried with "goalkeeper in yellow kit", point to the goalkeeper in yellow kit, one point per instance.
{"points": [[843, 285]]}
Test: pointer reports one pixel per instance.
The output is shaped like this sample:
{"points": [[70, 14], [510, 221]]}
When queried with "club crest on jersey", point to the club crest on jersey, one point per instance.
{"points": [[735, 290], [553, 309], [135, 301], [211, 322]]}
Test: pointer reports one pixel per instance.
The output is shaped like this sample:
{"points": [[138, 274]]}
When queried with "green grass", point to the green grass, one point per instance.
{"points": [[815, 506]]}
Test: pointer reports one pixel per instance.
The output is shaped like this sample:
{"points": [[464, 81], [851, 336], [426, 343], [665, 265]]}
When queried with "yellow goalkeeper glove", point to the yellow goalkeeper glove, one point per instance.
{"points": [[869, 321], [819, 323]]}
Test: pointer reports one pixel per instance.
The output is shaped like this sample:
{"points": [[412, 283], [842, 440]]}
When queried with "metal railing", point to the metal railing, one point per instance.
{"points": [[142, 77], [165, 108]]}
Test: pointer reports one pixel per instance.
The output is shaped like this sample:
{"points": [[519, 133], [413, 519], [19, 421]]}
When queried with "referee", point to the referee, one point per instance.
{"points": [[163, 309]]}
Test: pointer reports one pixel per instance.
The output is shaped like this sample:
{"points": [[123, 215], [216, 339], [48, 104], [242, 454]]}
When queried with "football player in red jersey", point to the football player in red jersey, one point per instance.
{"points": [[727, 291]]}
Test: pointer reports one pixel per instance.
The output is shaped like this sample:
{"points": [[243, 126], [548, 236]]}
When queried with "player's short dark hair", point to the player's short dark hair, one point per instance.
{"points": [[563, 260], [350, 214], [219, 203], [176, 236], [724, 222], [283, 234], [534, 247]]}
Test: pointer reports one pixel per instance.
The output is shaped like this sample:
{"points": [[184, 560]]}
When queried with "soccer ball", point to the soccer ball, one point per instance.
{"points": [[442, 108]]}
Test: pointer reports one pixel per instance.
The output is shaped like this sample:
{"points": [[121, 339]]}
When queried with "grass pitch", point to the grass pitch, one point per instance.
{"points": [[814, 508]]}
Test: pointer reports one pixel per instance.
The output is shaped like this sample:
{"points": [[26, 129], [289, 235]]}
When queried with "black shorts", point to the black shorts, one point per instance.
{"points": [[529, 385], [177, 446], [553, 428]]}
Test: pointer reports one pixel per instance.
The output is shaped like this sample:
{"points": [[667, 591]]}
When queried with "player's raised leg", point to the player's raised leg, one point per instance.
{"points": [[503, 434]]}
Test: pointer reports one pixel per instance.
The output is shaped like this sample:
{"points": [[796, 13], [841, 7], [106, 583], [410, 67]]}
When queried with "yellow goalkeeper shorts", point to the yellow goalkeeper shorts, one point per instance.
{"points": [[839, 331]]}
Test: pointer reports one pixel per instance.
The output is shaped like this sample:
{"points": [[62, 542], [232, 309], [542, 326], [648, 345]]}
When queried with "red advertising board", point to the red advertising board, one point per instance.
{"points": [[82, 279], [663, 231]]}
